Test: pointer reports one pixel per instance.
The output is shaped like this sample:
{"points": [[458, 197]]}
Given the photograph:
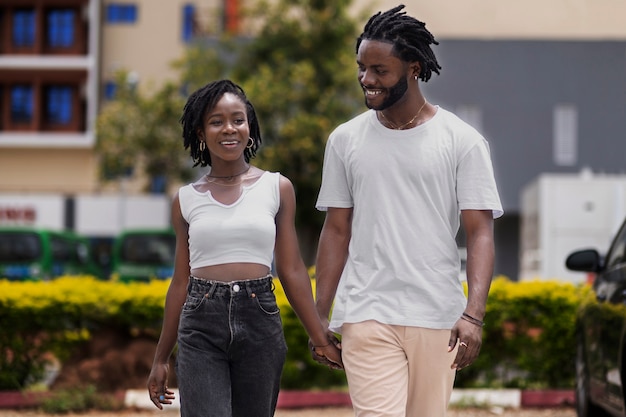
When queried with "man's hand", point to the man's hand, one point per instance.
{"points": [[330, 354], [469, 338]]}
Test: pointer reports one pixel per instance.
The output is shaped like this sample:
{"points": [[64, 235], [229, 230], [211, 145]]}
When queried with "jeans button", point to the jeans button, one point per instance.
{"points": [[236, 288]]}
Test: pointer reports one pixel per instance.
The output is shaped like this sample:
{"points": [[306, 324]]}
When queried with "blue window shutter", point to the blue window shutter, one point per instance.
{"points": [[24, 27], [189, 12], [61, 28], [59, 104], [109, 90], [121, 13], [21, 103]]}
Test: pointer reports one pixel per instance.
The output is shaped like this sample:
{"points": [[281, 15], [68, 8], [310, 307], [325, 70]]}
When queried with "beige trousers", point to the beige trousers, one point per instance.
{"points": [[397, 371]]}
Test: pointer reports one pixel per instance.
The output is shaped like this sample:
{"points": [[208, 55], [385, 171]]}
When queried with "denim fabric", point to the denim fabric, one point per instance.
{"points": [[231, 349]]}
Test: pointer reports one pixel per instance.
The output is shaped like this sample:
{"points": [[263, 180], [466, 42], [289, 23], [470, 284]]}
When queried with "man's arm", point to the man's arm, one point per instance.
{"points": [[332, 254], [478, 225]]}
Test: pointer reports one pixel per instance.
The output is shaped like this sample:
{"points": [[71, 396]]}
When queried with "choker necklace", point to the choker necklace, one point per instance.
{"points": [[394, 126], [229, 177]]}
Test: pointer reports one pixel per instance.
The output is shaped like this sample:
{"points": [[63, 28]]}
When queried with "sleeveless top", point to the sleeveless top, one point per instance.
{"points": [[241, 232]]}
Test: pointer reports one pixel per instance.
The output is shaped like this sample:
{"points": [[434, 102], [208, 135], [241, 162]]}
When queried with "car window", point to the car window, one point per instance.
{"points": [[617, 255]]}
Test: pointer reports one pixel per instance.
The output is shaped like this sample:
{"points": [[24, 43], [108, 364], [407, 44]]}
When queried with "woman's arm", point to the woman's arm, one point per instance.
{"points": [[294, 277], [174, 300]]}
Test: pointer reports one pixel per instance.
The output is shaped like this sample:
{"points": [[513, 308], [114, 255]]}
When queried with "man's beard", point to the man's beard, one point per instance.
{"points": [[395, 93]]}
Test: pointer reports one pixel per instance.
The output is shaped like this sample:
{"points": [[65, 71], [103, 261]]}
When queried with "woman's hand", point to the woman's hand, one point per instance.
{"points": [[329, 354], [157, 386]]}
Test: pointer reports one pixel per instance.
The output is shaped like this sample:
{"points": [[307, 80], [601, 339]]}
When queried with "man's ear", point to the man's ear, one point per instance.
{"points": [[416, 69]]}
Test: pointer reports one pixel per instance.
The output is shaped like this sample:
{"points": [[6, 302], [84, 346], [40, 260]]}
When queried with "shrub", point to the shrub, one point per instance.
{"points": [[528, 339]]}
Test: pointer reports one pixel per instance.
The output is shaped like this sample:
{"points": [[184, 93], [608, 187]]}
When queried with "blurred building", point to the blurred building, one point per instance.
{"points": [[49, 52], [544, 81]]}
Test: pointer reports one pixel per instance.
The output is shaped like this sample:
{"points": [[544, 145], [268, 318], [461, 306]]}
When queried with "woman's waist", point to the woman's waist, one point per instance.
{"points": [[233, 287]]}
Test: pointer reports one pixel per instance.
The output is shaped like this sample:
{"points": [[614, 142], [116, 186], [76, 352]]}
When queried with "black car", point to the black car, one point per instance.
{"points": [[601, 332]]}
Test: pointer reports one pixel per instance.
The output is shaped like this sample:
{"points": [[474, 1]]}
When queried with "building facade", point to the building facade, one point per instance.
{"points": [[49, 53]]}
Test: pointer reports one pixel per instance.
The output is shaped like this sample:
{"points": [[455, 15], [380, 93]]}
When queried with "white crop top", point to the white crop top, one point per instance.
{"points": [[242, 232]]}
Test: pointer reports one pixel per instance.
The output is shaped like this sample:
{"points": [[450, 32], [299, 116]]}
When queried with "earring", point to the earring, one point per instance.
{"points": [[416, 78], [201, 148], [250, 143]]}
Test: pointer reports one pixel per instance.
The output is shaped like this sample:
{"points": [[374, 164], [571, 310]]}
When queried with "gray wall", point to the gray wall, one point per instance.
{"points": [[516, 85]]}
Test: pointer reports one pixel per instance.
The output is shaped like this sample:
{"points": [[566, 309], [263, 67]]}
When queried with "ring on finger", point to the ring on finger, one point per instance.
{"points": [[161, 397], [463, 344]]}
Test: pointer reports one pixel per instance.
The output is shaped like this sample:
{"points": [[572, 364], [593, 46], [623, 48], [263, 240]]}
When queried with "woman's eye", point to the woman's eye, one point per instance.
{"points": [[240, 121], [215, 122]]}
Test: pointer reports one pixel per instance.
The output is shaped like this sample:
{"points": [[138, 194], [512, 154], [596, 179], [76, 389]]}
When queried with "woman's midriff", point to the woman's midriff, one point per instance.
{"points": [[231, 272]]}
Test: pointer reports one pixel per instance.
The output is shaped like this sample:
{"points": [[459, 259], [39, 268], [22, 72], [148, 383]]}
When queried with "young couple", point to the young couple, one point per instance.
{"points": [[397, 181]]}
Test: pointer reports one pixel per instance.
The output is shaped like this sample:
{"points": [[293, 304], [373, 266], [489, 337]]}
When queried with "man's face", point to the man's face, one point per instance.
{"points": [[382, 75]]}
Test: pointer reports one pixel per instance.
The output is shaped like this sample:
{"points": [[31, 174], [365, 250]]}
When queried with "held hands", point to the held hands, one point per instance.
{"points": [[329, 354], [468, 334], [157, 386]]}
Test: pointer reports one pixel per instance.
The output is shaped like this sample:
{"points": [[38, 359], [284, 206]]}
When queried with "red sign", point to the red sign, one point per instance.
{"points": [[17, 215]]}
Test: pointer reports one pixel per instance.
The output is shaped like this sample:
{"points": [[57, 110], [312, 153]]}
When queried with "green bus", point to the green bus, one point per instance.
{"points": [[39, 254], [143, 255]]}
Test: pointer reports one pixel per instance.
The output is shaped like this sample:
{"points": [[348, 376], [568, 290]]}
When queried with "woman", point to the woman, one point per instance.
{"points": [[220, 306]]}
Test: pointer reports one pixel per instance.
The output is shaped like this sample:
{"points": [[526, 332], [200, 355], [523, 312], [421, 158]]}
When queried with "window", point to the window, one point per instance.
{"points": [[21, 103], [565, 131], [121, 13], [24, 27], [109, 90], [58, 101], [189, 12], [61, 28]]}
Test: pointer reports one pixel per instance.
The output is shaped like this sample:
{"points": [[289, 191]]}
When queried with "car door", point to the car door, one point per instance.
{"points": [[611, 294]]}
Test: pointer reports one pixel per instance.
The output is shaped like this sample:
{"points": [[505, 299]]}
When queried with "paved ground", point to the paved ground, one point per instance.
{"points": [[323, 412]]}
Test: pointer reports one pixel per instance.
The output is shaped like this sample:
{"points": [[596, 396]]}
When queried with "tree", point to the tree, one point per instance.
{"points": [[299, 71], [137, 133]]}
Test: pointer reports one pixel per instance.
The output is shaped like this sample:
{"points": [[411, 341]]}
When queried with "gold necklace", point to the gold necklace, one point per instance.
{"points": [[393, 125], [225, 184]]}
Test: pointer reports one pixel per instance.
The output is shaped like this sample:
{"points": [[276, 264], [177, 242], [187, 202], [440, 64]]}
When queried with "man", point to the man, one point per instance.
{"points": [[397, 182]]}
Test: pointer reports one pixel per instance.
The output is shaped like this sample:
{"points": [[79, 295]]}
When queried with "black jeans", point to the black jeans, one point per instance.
{"points": [[231, 349]]}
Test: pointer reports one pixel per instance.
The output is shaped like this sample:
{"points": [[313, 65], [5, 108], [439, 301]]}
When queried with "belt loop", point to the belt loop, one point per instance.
{"points": [[249, 289], [190, 284], [212, 289]]}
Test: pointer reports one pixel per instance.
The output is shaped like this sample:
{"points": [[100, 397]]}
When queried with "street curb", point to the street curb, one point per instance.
{"points": [[507, 398], [290, 399]]}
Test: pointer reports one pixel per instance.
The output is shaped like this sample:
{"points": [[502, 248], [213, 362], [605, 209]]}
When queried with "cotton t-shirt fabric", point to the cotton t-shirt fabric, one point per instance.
{"points": [[244, 231], [406, 188]]}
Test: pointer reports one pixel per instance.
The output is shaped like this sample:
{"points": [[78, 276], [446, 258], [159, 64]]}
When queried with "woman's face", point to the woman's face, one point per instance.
{"points": [[226, 131]]}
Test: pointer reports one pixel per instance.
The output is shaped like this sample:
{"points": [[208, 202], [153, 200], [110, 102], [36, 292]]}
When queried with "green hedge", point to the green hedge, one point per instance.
{"points": [[529, 339]]}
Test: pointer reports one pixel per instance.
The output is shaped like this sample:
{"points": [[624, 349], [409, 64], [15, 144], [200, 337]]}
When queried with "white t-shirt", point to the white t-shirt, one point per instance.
{"points": [[407, 188]]}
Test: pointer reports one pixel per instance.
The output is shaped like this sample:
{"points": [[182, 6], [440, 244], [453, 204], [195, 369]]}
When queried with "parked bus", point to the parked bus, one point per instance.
{"points": [[143, 255], [35, 254]]}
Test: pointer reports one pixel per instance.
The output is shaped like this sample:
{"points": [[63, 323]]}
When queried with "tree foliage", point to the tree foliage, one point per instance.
{"points": [[299, 71], [136, 132]]}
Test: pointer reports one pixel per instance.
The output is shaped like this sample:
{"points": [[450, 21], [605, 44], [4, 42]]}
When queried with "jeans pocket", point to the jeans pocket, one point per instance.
{"points": [[193, 302], [267, 303]]}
